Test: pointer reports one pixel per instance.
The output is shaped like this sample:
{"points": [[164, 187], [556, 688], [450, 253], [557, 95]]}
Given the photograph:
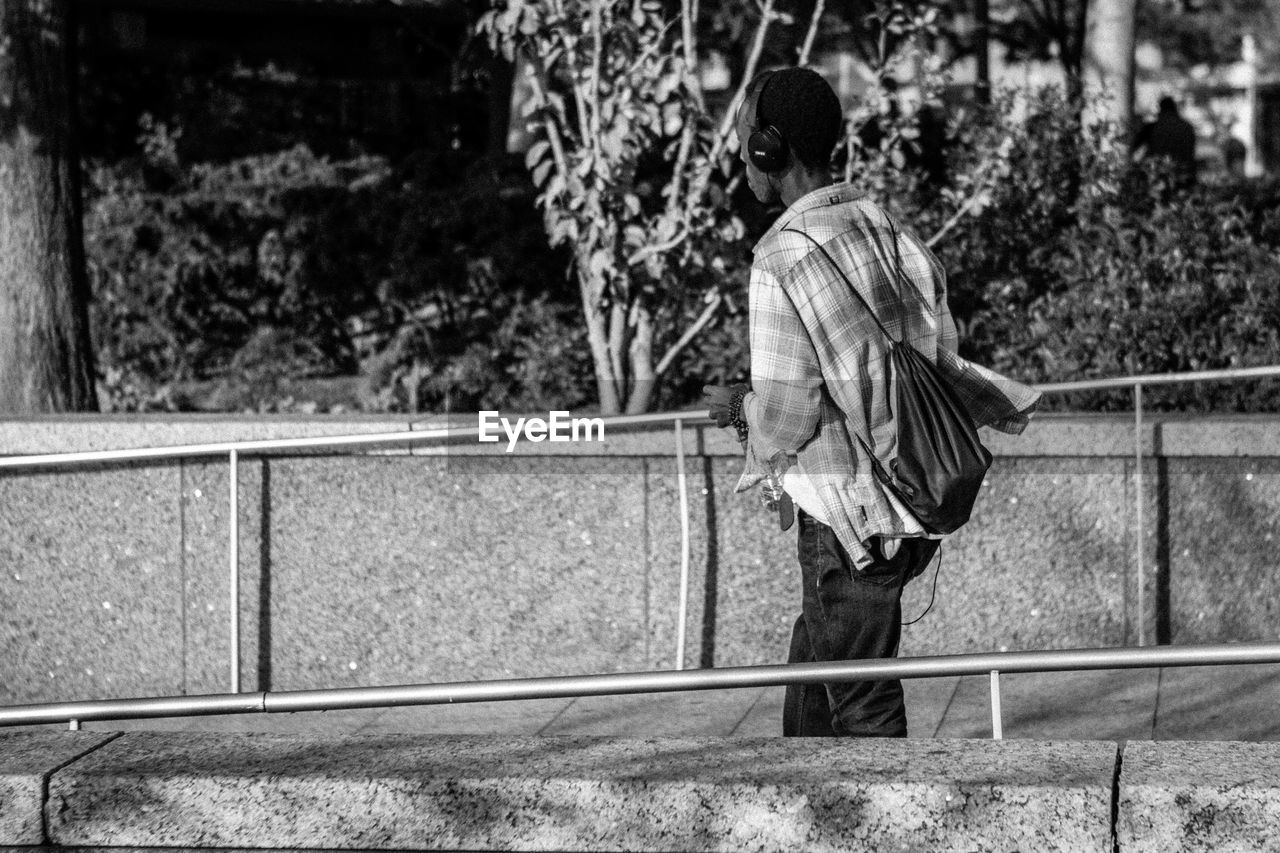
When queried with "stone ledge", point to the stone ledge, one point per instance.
{"points": [[153, 789], [1199, 796], [71, 433], [26, 761], [1056, 434], [1220, 435]]}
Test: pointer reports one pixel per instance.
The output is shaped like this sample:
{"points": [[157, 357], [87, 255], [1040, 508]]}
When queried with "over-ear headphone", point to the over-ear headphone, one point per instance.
{"points": [[765, 147]]}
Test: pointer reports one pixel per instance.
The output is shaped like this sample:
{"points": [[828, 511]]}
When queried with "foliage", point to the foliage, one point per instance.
{"points": [[634, 173], [622, 160], [244, 277], [430, 280], [207, 279], [1017, 169], [238, 95], [1151, 283], [1084, 266], [1069, 263], [534, 359]]}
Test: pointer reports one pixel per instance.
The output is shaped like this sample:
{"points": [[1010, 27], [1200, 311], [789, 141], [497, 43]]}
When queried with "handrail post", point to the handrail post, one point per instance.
{"points": [[997, 722], [233, 548], [73, 725], [1139, 526], [684, 545]]}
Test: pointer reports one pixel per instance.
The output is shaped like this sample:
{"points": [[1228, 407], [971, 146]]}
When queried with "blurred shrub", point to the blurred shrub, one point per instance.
{"points": [[221, 285], [200, 272], [430, 283], [1081, 265]]}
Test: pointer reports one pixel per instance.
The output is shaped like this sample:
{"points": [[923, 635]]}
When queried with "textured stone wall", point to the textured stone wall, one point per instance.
{"points": [[171, 790], [463, 562]]}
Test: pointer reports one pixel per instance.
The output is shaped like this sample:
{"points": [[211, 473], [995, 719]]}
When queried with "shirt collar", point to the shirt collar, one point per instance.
{"points": [[821, 197]]}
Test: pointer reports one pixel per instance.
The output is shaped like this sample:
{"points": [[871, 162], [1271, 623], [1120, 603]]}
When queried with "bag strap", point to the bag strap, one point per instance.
{"points": [[897, 270], [866, 445]]}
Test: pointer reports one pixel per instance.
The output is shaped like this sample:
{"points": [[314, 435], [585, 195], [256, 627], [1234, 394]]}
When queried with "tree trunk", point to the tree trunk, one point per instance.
{"points": [[46, 362], [1108, 62], [501, 85], [597, 317], [982, 51], [643, 379]]}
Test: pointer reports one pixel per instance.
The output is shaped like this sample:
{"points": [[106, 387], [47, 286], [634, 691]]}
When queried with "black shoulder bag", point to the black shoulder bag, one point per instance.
{"points": [[941, 463]]}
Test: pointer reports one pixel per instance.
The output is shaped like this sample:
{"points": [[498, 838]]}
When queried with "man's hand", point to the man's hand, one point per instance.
{"points": [[719, 400]]}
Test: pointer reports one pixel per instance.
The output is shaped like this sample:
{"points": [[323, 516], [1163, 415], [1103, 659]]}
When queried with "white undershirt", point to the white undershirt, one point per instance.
{"points": [[797, 484]]}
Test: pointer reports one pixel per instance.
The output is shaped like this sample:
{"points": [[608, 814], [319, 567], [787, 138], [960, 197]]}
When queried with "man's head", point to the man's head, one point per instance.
{"points": [[1168, 106], [789, 120]]}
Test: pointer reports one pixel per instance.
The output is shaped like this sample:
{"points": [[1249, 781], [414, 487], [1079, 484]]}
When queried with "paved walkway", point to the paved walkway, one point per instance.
{"points": [[1192, 703]]}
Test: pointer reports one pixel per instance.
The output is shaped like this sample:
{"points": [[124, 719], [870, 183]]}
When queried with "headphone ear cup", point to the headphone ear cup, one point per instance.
{"points": [[767, 149]]}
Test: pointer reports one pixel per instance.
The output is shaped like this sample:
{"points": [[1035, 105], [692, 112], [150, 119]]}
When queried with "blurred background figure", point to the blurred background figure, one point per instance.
{"points": [[1172, 137]]}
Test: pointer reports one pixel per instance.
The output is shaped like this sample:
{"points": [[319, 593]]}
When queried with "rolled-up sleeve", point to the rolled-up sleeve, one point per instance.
{"points": [[786, 380]]}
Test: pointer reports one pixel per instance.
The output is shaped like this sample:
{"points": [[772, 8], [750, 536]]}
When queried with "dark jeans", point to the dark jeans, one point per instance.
{"points": [[849, 615]]}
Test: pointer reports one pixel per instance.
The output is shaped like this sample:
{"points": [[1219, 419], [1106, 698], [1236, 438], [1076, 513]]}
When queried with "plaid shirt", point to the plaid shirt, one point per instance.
{"points": [[819, 361]]}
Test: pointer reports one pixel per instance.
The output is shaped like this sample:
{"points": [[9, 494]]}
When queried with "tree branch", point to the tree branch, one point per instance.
{"points": [[650, 50], [688, 21], [963, 211], [692, 332], [597, 44], [809, 36], [1073, 60], [698, 186], [642, 254], [552, 129], [682, 161], [1041, 17], [1060, 16], [767, 16], [571, 54]]}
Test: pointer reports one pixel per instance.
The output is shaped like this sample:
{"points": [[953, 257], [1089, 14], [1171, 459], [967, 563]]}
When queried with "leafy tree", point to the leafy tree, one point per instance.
{"points": [[45, 358], [632, 171]]}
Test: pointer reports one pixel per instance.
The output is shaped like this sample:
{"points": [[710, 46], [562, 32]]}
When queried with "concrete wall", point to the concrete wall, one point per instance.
{"points": [[465, 562], [181, 790]]}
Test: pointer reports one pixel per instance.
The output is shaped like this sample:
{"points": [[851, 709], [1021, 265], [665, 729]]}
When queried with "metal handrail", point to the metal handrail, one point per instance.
{"points": [[691, 417], [250, 447], [658, 419], [232, 450], [558, 687], [1227, 374]]}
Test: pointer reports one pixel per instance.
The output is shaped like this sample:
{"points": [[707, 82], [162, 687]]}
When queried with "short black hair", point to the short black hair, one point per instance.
{"points": [[805, 110]]}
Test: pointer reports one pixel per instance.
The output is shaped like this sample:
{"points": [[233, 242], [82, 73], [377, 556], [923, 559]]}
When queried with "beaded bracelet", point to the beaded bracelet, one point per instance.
{"points": [[735, 414]]}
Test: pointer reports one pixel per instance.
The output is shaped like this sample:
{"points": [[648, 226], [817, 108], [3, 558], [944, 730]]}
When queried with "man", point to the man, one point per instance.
{"points": [[1172, 137], [821, 394]]}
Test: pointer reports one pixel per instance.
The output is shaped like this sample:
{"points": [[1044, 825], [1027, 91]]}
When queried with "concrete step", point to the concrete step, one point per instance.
{"points": [[239, 791], [1199, 797], [388, 792], [27, 760]]}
